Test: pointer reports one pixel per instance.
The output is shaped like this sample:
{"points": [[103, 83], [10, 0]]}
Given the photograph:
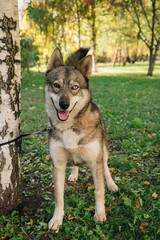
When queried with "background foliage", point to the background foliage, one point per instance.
{"points": [[29, 53], [130, 28]]}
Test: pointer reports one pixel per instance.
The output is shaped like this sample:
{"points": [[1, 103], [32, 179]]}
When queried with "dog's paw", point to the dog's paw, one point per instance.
{"points": [[54, 223], [73, 177], [100, 217], [112, 187]]}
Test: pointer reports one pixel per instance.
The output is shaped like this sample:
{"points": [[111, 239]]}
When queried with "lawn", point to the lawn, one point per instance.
{"points": [[129, 101]]}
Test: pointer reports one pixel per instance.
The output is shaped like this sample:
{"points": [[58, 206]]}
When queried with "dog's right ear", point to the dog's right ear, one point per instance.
{"points": [[55, 60]]}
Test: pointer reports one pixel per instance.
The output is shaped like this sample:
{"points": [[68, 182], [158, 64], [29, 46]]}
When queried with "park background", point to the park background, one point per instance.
{"points": [[124, 37]]}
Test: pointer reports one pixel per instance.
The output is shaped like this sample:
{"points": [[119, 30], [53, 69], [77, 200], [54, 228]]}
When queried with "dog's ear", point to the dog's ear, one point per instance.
{"points": [[85, 66], [55, 60]]}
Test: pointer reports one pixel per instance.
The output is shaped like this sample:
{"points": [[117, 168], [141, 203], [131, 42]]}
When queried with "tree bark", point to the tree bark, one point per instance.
{"points": [[93, 14], [10, 82], [79, 23], [152, 58]]}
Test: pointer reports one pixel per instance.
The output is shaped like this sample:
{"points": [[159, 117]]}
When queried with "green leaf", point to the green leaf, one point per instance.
{"points": [[127, 201], [43, 224]]}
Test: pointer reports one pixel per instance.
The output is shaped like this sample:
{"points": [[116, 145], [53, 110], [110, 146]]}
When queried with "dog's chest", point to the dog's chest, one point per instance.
{"points": [[71, 139], [70, 145]]}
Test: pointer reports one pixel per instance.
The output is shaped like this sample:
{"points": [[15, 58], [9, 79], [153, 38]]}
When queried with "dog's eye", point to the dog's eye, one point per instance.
{"points": [[75, 87], [57, 85]]}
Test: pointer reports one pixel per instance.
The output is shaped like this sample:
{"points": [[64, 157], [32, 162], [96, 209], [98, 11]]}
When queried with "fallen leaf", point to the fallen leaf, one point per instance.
{"points": [[144, 154], [145, 224], [70, 216], [90, 208], [118, 173], [137, 204], [146, 182], [90, 187], [111, 169], [149, 135], [42, 165], [154, 195], [143, 230], [47, 157], [117, 178], [134, 170]]}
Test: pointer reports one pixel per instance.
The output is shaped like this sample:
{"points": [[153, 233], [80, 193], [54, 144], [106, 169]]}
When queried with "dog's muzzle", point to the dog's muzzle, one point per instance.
{"points": [[63, 115]]}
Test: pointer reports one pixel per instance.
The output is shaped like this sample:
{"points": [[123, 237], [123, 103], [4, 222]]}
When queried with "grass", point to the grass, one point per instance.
{"points": [[129, 101]]}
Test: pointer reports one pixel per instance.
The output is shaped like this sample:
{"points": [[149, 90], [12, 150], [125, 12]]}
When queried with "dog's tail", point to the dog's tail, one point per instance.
{"points": [[75, 58]]}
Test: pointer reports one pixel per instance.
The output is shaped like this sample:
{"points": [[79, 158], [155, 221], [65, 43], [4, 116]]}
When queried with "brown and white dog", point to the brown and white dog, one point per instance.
{"points": [[77, 134]]}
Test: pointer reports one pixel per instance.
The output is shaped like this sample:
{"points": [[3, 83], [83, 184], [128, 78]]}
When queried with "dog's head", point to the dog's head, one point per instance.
{"points": [[67, 89]]}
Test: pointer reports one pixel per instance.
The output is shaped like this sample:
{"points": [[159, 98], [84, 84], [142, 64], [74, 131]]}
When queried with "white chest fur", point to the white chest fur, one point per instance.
{"points": [[70, 139]]}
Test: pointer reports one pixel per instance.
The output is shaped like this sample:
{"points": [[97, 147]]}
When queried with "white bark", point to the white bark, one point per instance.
{"points": [[10, 82]]}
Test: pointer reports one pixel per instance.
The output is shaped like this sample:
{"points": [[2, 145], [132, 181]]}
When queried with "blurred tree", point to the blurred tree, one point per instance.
{"points": [[29, 53], [92, 7], [80, 11], [41, 15], [145, 14], [106, 25]]}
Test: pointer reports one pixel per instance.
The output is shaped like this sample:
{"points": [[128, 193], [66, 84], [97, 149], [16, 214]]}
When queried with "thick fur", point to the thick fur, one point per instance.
{"points": [[77, 134]]}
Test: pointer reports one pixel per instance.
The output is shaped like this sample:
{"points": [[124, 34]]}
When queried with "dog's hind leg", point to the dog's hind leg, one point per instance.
{"points": [[110, 183], [74, 174]]}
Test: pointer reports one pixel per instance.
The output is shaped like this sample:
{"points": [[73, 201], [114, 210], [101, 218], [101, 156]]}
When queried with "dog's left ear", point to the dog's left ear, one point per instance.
{"points": [[85, 66], [55, 60]]}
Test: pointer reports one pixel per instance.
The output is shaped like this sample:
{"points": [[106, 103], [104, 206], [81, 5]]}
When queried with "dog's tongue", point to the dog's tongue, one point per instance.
{"points": [[63, 115]]}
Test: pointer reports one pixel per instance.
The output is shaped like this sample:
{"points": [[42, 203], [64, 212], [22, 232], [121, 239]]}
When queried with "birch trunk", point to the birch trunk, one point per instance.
{"points": [[10, 82]]}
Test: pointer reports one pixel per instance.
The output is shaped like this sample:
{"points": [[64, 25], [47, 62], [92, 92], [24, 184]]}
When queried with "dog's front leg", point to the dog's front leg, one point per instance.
{"points": [[97, 172], [59, 178]]}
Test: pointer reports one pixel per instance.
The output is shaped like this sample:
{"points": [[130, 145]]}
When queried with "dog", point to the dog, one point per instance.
{"points": [[77, 131]]}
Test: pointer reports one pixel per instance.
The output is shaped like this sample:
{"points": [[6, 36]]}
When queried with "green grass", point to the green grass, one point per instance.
{"points": [[129, 101]]}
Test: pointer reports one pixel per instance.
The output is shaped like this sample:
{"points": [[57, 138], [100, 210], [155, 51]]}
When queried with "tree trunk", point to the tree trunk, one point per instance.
{"points": [[115, 57], [93, 13], [10, 82], [126, 56], [152, 58], [151, 63], [79, 23]]}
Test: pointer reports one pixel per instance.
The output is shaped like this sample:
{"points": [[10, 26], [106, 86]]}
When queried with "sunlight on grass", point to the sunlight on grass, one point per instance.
{"points": [[136, 69]]}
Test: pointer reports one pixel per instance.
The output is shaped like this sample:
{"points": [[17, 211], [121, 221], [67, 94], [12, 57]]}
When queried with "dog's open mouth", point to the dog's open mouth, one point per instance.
{"points": [[63, 116]]}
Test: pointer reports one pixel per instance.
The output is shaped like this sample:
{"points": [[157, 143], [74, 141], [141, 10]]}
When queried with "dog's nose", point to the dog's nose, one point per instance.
{"points": [[64, 105]]}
